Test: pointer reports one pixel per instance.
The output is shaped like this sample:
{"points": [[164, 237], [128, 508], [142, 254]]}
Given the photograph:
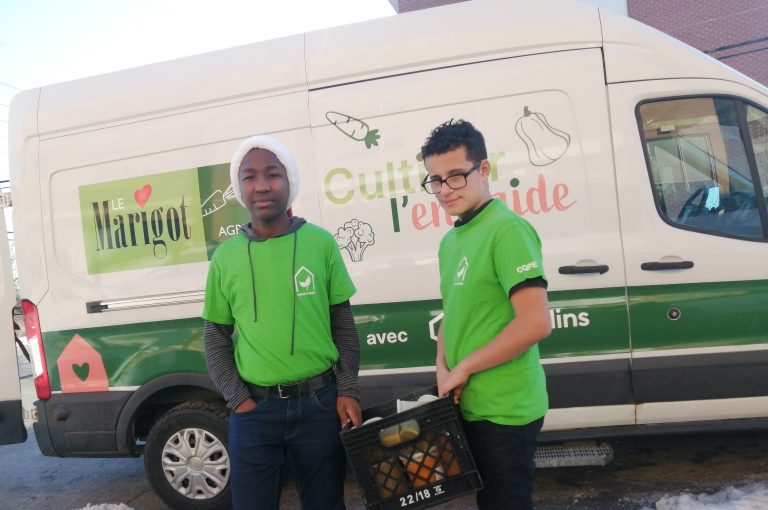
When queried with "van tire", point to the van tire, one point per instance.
{"points": [[187, 425]]}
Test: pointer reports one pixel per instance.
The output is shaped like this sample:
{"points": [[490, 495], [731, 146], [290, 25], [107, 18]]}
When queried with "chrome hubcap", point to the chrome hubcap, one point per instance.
{"points": [[196, 464]]}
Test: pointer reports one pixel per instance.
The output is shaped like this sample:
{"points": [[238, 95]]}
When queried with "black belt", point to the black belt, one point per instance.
{"points": [[294, 389]]}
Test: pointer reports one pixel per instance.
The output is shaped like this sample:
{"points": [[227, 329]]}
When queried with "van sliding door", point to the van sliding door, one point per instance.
{"points": [[545, 122], [692, 194]]}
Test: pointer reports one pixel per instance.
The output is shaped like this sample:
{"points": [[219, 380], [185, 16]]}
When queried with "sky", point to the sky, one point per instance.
{"points": [[50, 41]]}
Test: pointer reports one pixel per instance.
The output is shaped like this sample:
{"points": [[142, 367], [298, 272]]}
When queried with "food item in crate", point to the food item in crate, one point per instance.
{"points": [[409, 430], [390, 436], [423, 468], [396, 434], [405, 405], [447, 458], [389, 478]]}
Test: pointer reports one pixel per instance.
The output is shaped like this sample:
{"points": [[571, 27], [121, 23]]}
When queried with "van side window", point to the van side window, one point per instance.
{"points": [[708, 164]]}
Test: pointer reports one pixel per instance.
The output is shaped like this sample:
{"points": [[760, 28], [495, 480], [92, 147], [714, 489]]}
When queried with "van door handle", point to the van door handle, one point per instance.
{"points": [[601, 268], [662, 266]]}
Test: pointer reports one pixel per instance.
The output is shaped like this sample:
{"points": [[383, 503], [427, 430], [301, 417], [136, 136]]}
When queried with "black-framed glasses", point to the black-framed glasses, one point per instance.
{"points": [[455, 181]]}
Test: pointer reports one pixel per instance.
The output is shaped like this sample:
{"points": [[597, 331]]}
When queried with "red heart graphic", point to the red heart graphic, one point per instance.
{"points": [[142, 195]]}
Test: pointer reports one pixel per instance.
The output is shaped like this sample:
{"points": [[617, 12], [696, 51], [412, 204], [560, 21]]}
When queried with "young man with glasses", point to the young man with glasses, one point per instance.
{"points": [[495, 313]]}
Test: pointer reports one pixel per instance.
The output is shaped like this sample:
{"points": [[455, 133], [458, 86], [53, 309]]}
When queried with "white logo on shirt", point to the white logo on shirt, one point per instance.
{"points": [[461, 272], [304, 282], [527, 267]]}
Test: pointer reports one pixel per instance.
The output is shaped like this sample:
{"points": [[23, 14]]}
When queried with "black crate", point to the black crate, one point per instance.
{"points": [[430, 466]]}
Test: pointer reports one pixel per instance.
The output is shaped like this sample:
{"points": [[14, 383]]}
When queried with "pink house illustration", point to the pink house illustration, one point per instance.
{"points": [[81, 368]]}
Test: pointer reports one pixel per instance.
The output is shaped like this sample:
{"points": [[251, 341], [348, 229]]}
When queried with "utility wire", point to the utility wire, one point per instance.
{"points": [[742, 53], [737, 45], [10, 86]]}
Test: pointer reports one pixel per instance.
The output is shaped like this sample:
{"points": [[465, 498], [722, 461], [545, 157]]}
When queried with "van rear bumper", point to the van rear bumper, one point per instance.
{"points": [[42, 436], [80, 425]]}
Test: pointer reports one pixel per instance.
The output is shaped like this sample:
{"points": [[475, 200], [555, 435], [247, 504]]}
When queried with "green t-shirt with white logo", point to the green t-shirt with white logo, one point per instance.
{"points": [[480, 262], [281, 313]]}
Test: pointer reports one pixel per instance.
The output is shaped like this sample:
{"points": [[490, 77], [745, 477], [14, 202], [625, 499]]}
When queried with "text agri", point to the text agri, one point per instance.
{"points": [[115, 230]]}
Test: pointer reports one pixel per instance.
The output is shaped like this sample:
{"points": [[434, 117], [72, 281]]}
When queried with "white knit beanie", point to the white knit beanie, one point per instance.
{"points": [[275, 147]]}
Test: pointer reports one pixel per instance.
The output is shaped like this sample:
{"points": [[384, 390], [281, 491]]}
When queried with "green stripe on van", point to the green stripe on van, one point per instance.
{"points": [[392, 336], [131, 354], [708, 315]]}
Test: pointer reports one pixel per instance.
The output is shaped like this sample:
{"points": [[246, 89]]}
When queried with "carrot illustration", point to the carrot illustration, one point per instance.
{"points": [[354, 128]]}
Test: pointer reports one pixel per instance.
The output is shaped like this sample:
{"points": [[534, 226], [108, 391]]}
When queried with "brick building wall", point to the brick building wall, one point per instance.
{"points": [[415, 5], [732, 31]]}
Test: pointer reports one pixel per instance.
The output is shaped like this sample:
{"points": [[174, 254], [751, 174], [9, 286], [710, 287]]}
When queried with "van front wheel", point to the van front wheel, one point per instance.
{"points": [[186, 458]]}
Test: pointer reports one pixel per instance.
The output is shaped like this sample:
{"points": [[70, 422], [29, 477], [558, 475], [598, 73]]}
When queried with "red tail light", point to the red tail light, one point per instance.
{"points": [[37, 352]]}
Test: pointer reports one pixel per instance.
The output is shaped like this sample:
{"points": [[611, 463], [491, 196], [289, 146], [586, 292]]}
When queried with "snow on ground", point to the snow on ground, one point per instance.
{"points": [[107, 506], [751, 497]]}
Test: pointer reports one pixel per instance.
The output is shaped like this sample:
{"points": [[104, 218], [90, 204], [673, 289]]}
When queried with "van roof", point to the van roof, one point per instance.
{"points": [[416, 41]]}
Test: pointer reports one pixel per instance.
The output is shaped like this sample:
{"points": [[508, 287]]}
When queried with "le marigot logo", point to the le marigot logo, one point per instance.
{"points": [[130, 229], [145, 222]]}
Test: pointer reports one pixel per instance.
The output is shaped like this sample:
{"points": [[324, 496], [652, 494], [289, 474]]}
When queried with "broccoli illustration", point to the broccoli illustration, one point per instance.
{"points": [[355, 236]]}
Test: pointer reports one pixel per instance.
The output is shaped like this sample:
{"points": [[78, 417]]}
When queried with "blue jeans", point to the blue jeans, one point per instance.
{"points": [[504, 455], [307, 429]]}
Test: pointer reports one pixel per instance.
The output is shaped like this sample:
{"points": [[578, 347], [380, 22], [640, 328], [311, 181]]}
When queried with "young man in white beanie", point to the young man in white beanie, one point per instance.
{"points": [[290, 378]]}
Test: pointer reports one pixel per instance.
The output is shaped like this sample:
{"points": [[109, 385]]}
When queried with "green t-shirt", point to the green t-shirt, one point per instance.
{"points": [[282, 313], [480, 262]]}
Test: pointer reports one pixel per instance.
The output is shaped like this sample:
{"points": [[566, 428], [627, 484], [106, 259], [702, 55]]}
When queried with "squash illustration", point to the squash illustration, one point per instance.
{"points": [[545, 143]]}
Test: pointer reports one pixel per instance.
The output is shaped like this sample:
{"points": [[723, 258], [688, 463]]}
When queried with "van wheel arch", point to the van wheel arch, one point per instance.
{"points": [[156, 397]]}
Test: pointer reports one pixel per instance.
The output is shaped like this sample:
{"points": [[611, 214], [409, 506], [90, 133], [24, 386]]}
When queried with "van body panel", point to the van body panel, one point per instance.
{"points": [[637, 52], [85, 176], [417, 41], [123, 356], [24, 145], [564, 198], [378, 186], [688, 376], [232, 75], [701, 411], [81, 424], [12, 429], [576, 418], [671, 310]]}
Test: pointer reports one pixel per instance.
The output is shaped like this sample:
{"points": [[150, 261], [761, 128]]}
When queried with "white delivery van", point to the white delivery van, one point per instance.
{"points": [[642, 163], [12, 429]]}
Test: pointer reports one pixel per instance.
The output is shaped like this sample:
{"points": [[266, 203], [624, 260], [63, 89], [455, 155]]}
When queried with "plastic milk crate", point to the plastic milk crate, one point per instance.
{"points": [[416, 458]]}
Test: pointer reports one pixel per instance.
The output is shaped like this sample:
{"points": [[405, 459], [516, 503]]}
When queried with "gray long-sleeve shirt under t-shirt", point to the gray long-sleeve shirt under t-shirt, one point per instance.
{"points": [[220, 357]]}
